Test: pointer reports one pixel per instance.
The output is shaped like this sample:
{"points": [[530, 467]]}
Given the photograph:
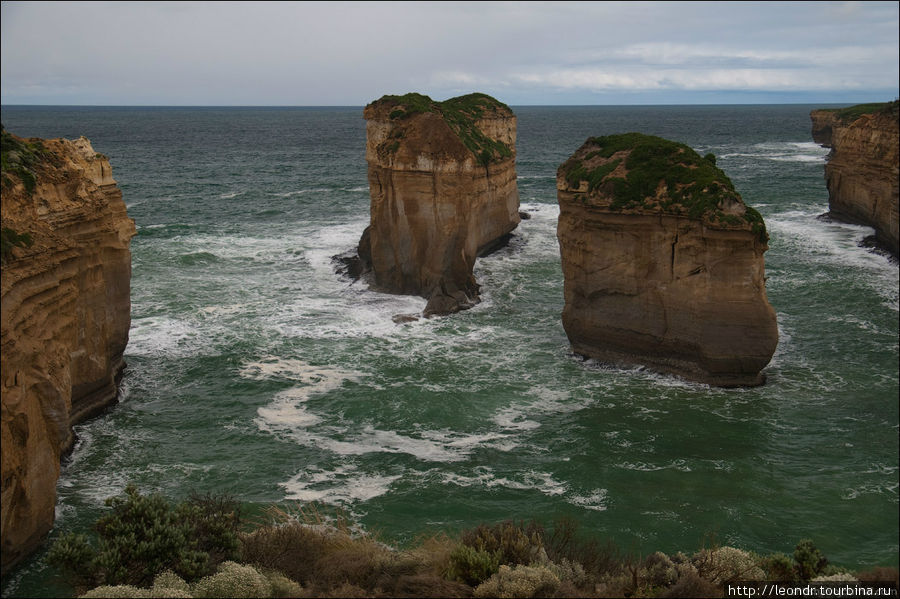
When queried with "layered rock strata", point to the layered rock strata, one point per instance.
{"points": [[65, 317], [442, 181], [662, 262], [863, 168]]}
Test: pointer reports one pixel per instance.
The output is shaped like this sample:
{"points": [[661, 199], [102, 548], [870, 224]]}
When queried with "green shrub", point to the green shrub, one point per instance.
{"points": [[519, 581], [144, 535], [711, 158], [809, 560], [513, 543], [779, 567], [473, 566]]}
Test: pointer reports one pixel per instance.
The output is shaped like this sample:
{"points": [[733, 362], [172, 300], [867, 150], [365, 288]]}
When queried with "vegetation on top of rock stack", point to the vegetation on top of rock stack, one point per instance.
{"points": [[20, 157], [644, 172], [851, 113], [461, 113]]}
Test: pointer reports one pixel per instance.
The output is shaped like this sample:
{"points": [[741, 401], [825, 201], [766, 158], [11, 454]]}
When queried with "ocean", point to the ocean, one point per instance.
{"points": [[255, 370]]}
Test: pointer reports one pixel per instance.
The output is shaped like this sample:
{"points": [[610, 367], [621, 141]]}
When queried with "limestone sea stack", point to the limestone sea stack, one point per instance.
{"points": [[863, 167], [442, 180], [66, 311], [663, 262]]}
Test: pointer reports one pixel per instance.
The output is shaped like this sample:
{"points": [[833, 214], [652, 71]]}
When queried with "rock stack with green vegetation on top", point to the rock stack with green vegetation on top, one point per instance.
{"points": [[442, 180], [663, 262], [863, 169], [66, 287]]}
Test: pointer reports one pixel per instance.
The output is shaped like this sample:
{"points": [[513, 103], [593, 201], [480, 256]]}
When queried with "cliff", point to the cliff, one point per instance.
{"points": [[663, 262], [442, 181], [863, 168], [65, 317]]}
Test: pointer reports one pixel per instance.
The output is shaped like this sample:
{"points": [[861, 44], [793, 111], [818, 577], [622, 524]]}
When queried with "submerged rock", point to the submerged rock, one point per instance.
{"points": [[66, 311], [863, 169], [442, 181], [663, 262]]}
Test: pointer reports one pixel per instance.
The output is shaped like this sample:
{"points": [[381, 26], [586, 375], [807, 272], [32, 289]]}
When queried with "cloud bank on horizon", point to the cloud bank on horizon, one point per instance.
{"points": [[329, 53]]}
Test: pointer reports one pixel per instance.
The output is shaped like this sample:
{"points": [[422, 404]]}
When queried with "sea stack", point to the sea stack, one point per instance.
{"points": [[442, 180], [663, 262], [66, 311], [863, 166]]}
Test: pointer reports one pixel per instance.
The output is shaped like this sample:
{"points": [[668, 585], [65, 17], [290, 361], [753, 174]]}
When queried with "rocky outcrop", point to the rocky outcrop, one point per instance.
{"points": [[663, 262], [863, 167], [65, 317], [442, 180]]}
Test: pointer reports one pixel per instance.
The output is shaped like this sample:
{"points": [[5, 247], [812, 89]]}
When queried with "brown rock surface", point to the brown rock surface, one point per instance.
{"points": [[442, 181], [66, 311], [663, 262], [863, 168]]}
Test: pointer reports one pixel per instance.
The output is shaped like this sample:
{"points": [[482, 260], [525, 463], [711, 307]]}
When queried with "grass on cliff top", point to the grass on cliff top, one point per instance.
{"points": [[21, 158], [461, 113], [851, 113], [694, 185]]}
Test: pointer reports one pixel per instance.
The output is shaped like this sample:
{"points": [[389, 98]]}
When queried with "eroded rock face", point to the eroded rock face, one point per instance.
{"points": [[863, 168], [442, 181], [663, 262], [66, 311]]}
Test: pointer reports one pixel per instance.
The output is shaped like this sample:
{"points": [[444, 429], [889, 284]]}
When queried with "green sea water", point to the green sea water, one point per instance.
{"points": [[257, 371]]}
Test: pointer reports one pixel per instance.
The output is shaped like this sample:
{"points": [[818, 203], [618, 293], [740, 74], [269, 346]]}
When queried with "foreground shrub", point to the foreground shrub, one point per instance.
{"points": [[809, 560], [114, 592], [144, 535], [779, 566], [598, 560], [234, 580], [473, 566], [513, 543], [519, 581], [727, 564]]}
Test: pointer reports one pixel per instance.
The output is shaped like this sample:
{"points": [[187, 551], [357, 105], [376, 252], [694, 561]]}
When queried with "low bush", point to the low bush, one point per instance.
{"points": [[519, 581], [144, 535]]}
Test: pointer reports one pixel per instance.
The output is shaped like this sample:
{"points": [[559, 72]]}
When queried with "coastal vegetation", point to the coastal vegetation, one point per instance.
{"points": [[644, 172], [202, 547], [851, 113], [461, 114], [20, 157]]}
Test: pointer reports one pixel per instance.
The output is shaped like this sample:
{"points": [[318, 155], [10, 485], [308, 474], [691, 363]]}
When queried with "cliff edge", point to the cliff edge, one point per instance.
{"points": [[66, 311], [662, 262], [863, 167], [442, 181]]}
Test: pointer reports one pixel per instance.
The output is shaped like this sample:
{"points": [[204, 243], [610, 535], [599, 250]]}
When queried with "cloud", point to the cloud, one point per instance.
{"points": [[349, 53]]}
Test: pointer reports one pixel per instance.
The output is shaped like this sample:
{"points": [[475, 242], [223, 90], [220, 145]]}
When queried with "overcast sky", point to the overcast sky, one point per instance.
{"points": [[331, 53]]}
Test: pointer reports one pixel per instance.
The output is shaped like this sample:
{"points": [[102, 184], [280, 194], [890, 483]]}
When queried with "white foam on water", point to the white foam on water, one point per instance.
{"points": [[596, 500], [162, 336], [339, 486], [530, 480], [300, 192], [679, 464], [373, 440]]}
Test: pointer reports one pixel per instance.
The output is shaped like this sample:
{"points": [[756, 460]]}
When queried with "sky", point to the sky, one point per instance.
{"points": [[522, 53]]}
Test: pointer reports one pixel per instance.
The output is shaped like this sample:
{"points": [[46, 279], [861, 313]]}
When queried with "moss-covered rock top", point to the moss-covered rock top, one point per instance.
{"points": [[461, 114], [634, 172], [851, 113]]}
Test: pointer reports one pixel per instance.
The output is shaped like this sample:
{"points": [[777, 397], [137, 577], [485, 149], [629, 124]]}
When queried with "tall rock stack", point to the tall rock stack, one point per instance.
{"points": [[66, 311], [663, 262], [442, 180], [863, 169]]}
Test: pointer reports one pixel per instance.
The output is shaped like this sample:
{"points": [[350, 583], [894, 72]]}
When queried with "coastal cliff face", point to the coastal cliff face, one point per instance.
{"points": [[442, 181], [663, 262], [863, 168], [66, 311]]}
